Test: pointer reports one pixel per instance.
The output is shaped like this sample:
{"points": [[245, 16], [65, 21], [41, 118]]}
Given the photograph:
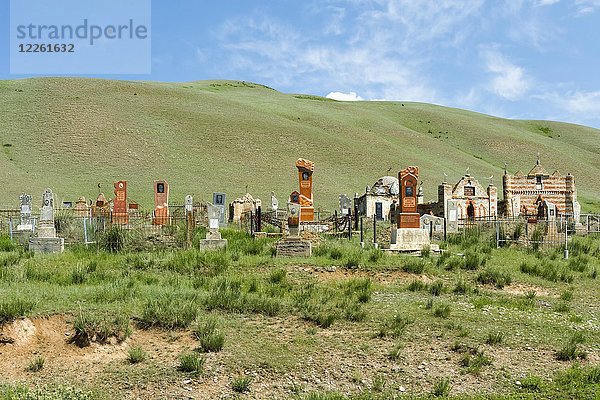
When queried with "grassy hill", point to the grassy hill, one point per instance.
{"points": [[73, 134]]}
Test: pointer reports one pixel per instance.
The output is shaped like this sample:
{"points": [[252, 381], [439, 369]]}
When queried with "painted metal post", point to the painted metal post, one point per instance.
{"points": [[362, 234], [375, 233]]}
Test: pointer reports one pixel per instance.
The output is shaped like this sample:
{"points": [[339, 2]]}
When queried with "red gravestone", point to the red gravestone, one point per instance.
{"points": [[305, 171], [295, 197], [119, 214], [161, 203], [408, 217]]}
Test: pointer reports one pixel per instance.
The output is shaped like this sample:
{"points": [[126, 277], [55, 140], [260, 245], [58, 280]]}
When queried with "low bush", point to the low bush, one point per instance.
{"points": [[441, 387], [549, 270], [494, 277], [413, 265], [241, 384], [394, 327], [136, 355], [210, 337], [191, 363], [36, 364], [170, 310], [90, 327], [494, 338], [441, 311], [570, 351]]}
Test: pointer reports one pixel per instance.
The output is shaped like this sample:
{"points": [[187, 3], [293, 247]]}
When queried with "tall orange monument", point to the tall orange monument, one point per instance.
{"points": [[161, 203], [120, 215], [305, 172]]}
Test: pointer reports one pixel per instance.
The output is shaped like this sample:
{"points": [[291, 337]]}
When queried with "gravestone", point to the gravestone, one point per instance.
{"points": [[293, 245], [219, 202], [161, 203], [408, 235], [46, 240], [120, 214], [213, 239], [344, 204], [305, 172], [189, 204], [81, 208], [25, 223], [274, 202]]}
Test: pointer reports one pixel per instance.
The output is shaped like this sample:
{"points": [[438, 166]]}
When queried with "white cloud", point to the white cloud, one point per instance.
{"points": [[546, 2], [510, 81], [583, 103], [352, 96], [587, 6]]}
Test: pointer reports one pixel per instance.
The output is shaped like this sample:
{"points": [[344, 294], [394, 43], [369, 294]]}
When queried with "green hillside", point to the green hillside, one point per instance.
{"points": [[72, 134]]}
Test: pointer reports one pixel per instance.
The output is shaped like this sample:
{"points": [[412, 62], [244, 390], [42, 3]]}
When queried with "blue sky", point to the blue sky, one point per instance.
{"points": [[530, 59]]}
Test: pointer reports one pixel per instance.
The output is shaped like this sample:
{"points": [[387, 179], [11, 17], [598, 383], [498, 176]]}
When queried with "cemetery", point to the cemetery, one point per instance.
{"points": [[384, 273]]}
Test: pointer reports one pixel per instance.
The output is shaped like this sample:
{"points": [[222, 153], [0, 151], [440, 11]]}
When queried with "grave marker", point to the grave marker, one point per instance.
{"points": [[305, 172], [46, 240], [161, 203], [120, 213]]}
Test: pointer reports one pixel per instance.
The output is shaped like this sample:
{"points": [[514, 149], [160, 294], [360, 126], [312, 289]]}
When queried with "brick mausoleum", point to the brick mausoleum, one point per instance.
{"points": [[539, 194]]}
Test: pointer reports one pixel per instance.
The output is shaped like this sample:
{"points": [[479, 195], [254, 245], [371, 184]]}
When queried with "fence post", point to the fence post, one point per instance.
{"points": [[252, 224], [566, 255], [10, 227], [349, 225], [362, 234], [497, 234], [335, 222], [375, 233], [355, 217], [259, 219]]}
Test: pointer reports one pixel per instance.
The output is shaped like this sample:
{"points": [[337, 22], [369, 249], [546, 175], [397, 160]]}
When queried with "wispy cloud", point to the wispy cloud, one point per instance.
{"points": [[587, 6], [509, 81]]}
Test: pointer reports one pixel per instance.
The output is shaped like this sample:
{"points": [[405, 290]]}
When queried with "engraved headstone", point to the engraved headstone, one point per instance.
{"points": [[25, 223], [294, 217], [344, 204], [189, 203], [274, 202], [46, 240], [293, 245], [219, 201], [213, 239]]}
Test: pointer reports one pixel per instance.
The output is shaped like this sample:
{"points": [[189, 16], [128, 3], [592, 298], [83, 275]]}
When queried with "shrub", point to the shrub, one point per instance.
{"points": [[530, 295], [570, 350], [13, 308], [495, 277], [416, 285], [436, 288], [277, 276], [549, 270], [413, 265], [394, 327], [6, 244], [474, 361], [442, 311], [113, 239], [462, 287], [136, 355], [441, 387], [360, 288], [36, 364], [426, 251], [191, 363], [241, 384], [579, 263], [474, 260], [561, 307], [531, 383], [169, 311], [494, 338], [211, 339], [375, 255], [395, 352], [90, 327]]}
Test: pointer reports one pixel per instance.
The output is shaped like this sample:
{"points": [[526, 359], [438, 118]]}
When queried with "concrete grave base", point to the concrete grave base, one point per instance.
{"points": [[294, 247], [213, 244], [40, 245], [409, 239], [22, 237]]}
